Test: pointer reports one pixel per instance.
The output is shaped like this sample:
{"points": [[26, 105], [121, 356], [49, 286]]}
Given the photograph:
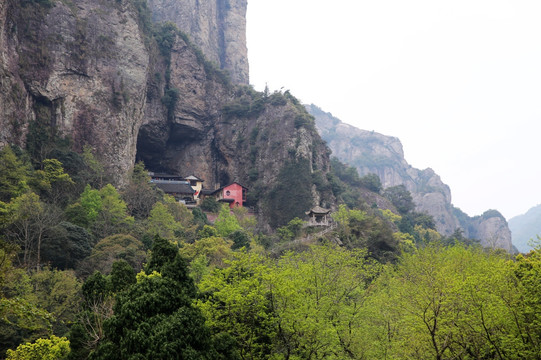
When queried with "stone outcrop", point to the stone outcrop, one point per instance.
{"points": [[217, 27], [375, 153], [79, 68], [492, 229], [93, 72]]}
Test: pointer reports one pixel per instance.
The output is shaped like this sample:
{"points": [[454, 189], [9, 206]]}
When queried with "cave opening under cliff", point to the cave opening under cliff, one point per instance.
{"points": [[160, 147]]}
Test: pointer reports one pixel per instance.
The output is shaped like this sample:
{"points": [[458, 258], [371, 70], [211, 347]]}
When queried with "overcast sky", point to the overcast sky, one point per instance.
{"points": [[458, 82]]}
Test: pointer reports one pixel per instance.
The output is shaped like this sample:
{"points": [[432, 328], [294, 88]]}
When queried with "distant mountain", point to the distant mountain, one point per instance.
{"points": [[383, 155], [525, 227]]}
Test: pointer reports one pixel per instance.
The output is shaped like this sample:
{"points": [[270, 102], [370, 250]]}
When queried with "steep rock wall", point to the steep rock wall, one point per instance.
{"points": [[78, 67], [224, 133], [218, 27], [375, 153], [93, 72]]}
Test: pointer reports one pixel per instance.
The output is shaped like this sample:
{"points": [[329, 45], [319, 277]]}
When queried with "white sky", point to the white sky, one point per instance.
{"points": [[457, 81]]}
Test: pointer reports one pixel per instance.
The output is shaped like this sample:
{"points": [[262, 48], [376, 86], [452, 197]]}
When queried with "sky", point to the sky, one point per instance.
{"points": [[458, 82]]}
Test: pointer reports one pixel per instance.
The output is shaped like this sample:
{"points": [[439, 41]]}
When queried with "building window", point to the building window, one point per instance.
{"points": [[227, 193]]}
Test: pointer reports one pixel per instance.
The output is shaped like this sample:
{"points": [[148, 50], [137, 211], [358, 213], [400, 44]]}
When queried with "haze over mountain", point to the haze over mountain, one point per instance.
{"points": [[371, 152], [456, 81], [526, 227]]}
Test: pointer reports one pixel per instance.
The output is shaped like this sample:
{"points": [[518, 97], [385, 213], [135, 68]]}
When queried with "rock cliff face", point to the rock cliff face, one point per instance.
{"points": [[77, 68], [371, 152], [218, 27], [93, 72]]}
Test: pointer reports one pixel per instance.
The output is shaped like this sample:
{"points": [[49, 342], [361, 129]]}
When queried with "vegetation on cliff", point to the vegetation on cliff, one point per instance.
{"points": [[70, 259], [93, 271]]}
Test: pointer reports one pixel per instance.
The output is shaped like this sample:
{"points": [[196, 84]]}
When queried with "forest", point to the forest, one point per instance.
{"points": [[93, 271]]}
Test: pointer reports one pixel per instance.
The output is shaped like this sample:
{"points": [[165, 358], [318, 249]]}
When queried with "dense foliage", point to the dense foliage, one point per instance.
{"points": [[89, 271]]}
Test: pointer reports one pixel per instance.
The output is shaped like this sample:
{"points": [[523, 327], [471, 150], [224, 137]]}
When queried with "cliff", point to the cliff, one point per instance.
{"points": [[217, 27], [375, 153], [101, 74], [73, 68]]}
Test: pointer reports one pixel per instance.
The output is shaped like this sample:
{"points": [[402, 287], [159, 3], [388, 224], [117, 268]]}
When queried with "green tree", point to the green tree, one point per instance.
{"points": [[122, 275], [86, 210], [29, 221], [210, 204], [371, 182], [140, 195], [448, 302], [214, 248], [317, 297], [401, 198], [103, 211], [67, 245], [162, 223], [113, 216], [94, 172], [305, 306], [113, 248], [527, 270], [290, 231], [52, 182], [59, 293], [226, 223], [155, 318], [21, 319], [88, 332], [54, 348], [200, 218], [236, 301], [240, 240], [13, 175]]}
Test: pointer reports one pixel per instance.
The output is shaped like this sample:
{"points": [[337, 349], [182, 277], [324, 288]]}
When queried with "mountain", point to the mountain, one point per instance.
{"points": [[217, 27], [110, 75], [525, 227], [370, 152]]}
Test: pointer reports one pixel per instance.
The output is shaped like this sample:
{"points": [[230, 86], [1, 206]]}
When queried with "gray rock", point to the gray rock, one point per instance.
{"points": [[375, 153], [218, 27]]}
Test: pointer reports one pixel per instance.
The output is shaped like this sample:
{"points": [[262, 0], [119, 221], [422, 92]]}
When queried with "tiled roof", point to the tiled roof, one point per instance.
{"points": [[171, 187], [193, 177], [318, 210], [208, 191]]}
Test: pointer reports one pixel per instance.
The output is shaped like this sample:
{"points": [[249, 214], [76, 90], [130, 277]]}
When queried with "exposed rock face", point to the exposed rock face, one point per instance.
{"points": [[218, 27], [248, 143], [493, 230], [93, 72], [371, 152], [79, 67]]}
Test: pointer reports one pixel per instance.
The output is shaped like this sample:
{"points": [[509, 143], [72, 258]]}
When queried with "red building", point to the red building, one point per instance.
{"points": [[234, 194]]}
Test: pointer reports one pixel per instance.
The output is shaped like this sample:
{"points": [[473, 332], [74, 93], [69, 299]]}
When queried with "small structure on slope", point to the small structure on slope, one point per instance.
{"points": [[175, 186], [319, 217], [234, 194]]}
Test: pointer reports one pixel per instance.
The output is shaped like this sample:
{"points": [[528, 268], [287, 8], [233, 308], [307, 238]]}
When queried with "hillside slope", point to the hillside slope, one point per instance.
{"points": [[383, 155]]}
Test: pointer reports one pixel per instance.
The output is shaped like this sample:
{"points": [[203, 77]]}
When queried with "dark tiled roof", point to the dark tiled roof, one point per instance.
{"points": [[176, 188], [318, 210], [208, 191], [193, 177], [165, 176]]}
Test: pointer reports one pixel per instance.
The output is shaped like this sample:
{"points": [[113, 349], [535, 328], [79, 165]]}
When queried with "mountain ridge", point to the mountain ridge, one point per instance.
{"points": [[371, 152], [526, 227]]}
